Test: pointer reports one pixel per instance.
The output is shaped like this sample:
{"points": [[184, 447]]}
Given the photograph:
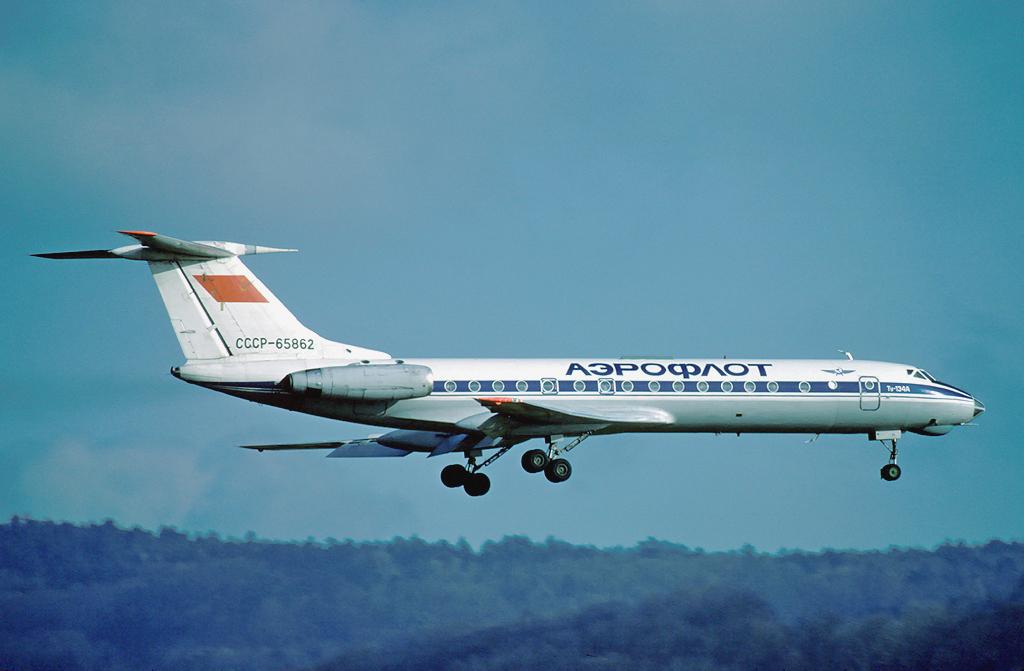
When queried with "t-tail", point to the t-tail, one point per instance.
{"points": [[218, 308]]}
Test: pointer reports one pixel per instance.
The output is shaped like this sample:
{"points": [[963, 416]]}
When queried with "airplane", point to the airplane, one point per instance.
{"points": [[239, 339]]}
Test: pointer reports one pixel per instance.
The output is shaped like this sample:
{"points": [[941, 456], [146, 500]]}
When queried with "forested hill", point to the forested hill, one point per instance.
{"points": [[101, 597]]}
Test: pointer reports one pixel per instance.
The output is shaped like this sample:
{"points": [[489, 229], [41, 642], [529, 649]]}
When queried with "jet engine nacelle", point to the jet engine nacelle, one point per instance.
{"points": [[363, 382]]}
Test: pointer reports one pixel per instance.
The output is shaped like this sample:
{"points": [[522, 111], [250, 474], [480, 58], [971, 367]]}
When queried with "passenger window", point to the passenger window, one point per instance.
{"points": [[702, 386], [450, 386], [727, 386], [522, 386], [654, 385], [773, 386], [678, 386], [548, 386], [805, 387], [749, 386], [474, 386], [579, 385], [498, 385], [626, 385]]}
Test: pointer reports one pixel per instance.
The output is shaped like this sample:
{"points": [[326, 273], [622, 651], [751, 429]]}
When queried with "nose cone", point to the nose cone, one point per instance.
{"points": [[979, 407]]}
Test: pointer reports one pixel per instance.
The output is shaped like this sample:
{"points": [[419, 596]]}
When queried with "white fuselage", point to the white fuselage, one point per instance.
{"points": [[240, 339], [700, 395]]}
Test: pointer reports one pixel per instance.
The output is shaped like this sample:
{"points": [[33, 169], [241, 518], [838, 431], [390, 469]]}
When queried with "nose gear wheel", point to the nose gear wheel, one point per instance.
{"points": [[891, 471]]}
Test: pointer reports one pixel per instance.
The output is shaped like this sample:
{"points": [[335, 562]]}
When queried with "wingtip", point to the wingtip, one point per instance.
{"points": [[148, 234]]}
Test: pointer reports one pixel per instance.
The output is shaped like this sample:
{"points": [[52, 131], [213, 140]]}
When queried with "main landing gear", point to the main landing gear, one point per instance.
{"points": [[457, 475], [556, 469], [890, 471], [469, 476], [550, 461]]}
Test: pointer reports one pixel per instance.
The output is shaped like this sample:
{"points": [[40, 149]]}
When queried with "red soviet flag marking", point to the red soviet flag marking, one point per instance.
{"points": [[231, 288]]}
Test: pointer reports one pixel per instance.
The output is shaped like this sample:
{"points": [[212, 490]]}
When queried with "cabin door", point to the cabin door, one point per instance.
{"points": [[870, 393]]}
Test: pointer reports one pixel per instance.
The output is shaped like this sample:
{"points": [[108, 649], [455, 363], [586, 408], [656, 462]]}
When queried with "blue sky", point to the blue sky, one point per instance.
{"points": [[535, 179]]}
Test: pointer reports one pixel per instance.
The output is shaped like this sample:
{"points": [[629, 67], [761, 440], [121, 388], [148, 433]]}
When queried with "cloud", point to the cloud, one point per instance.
{"points": [[152, 483], [81, 481], [296, 110]]}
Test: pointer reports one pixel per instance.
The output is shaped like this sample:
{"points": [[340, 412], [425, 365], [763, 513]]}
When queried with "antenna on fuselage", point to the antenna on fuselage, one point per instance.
{"points": [[849, 355]]}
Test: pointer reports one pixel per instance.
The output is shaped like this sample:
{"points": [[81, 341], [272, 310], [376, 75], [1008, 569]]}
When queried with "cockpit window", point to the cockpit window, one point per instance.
{"points": [[920, 375], [929, 376]]}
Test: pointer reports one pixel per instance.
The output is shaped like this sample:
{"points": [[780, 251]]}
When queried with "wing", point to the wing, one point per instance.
{"points": [[363, 447], [400, 443], [293, 446], [547, 412]]}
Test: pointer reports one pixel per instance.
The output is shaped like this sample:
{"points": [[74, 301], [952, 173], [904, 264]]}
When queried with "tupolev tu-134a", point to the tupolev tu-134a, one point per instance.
{"points": [[239, 339]]}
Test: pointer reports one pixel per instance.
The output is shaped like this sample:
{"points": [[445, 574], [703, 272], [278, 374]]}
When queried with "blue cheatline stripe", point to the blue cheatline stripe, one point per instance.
{"points": [[641, 387], [667, 386]]}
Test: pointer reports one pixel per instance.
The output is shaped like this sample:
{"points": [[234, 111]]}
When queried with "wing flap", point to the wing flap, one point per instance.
{"points": [[367, 447]]}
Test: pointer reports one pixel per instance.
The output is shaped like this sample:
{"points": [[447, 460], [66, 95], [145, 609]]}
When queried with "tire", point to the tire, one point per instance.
{"points": [[477, 484], [558, 470], [891, 472], [454, 475], [534, 461]]}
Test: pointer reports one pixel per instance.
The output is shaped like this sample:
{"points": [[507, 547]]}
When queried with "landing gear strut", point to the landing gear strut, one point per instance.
{"points": [[890, 471]]}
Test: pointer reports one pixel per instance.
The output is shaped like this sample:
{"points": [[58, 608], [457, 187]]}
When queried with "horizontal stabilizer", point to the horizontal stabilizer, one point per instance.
{"points": [[177, 247], [544, 412], [156, 247], [85, 254]]}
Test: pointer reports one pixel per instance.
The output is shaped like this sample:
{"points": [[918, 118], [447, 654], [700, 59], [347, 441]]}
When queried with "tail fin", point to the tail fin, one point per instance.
{"points": [[217, 306]]}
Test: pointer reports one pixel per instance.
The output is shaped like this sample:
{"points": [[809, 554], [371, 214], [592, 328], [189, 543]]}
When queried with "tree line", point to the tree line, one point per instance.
{"points": [[104, 597]]}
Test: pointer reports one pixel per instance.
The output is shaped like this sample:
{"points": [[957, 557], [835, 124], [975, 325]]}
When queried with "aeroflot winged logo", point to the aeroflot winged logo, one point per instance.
{"points": [[838, 371], [683, 370], [231, 288]]}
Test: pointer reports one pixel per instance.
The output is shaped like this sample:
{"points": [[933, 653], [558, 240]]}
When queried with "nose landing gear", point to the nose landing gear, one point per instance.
{"points": [[891, 471]]}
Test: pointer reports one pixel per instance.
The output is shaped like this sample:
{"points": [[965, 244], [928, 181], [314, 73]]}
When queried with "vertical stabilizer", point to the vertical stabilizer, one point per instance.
{"points": [[218, 308]]}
